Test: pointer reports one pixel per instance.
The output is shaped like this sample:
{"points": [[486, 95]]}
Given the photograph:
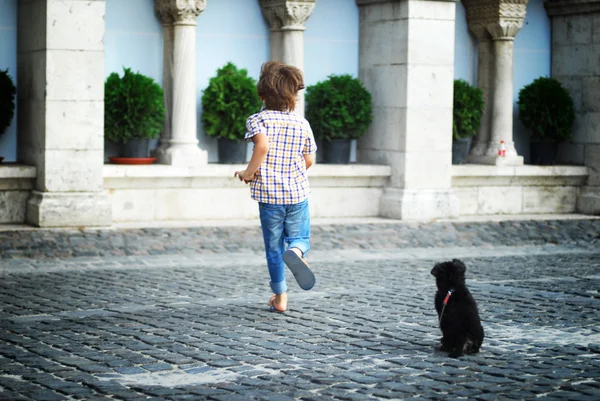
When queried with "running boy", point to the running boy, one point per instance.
{"points": [[284, 148]]}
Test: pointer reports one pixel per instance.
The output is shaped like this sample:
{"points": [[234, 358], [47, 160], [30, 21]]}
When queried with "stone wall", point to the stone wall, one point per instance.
{"points": [[576, 63]]}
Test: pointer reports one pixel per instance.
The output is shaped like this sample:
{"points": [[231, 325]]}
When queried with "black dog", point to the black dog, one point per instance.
{"points": [[462, 332]]}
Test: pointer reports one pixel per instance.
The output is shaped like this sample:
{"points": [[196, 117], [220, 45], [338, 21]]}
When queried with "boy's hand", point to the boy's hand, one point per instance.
{"points": [[244, 175]]}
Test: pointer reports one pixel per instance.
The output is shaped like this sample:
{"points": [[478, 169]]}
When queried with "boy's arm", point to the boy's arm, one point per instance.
{"points": [[309, 159], [310, 147], [261, 148]]}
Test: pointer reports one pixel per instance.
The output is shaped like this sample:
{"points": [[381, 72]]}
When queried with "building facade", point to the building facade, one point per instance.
{"points": [[406, 52]]}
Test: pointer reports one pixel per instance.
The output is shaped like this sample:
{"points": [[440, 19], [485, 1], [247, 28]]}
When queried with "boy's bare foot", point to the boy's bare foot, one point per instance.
{"points": [[279, 302]]}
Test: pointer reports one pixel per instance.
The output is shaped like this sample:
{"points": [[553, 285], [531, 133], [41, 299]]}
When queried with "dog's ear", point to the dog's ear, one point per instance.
{"points": [[436, 269], [459, 265]]}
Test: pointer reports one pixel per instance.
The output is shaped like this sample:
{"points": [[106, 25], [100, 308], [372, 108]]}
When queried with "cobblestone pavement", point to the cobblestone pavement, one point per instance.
{"points": [[181, 314]]}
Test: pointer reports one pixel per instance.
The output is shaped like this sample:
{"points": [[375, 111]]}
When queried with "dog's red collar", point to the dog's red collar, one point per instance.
{"points": [[448, 296], [450, 291]]}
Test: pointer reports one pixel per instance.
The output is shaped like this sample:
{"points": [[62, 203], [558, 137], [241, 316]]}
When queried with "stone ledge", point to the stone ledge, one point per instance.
{"points": [[167, 193], [224, 170], [483, 175], [221, 176], [17, 171], [17, 177], [488, 190], [16, 183]]}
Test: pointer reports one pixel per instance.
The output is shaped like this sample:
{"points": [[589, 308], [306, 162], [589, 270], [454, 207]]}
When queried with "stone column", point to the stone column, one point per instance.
{"points": [[575, 52], [406, 61], [163, 11], [183, 150], [287, 21], [503, 31], [276, 39], [485, 76], [60, 59], [502, 19]]}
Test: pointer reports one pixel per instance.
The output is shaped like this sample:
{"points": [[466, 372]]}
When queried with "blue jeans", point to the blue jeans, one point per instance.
{"points": [[281, 225]]}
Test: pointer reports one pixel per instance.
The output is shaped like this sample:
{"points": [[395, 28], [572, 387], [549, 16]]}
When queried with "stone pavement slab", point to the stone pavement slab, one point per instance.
{"points": [[190, 321]]}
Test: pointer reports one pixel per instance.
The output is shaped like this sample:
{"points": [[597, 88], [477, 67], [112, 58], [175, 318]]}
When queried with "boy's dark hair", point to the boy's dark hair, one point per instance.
{"points": [[278, 85]]}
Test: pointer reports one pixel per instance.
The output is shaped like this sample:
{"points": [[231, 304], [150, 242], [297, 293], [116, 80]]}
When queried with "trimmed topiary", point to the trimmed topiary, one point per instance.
{"points": [[133, 107], [339, 107], [546, 109], [227, 101], [468, 108], [7, 100]]}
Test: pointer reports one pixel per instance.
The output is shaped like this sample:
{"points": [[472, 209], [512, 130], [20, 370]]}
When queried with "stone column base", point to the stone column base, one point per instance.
{"points": [[182, 156], [495, 160], [422, 204], [69, 209], [588, 201]]}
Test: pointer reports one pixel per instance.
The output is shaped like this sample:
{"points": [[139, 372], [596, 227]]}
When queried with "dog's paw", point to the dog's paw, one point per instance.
{"points": [[471, 347], [471, 351], [455, 353], [441, 347]]}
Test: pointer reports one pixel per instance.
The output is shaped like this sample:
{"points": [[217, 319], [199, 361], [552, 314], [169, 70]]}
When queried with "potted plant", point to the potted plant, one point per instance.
{"points": [[339, 110], [7, 102], [466, 118], [134, 114], [546, 110], [227, 102]]}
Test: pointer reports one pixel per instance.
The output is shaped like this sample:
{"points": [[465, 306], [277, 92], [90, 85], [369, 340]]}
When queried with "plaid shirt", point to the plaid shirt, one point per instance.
{"points": [[281, 179]]}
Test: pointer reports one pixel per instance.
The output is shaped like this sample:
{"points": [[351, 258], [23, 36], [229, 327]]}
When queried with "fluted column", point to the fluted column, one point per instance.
{"points": [[287, 21], [163, 11], [183, 147], [503, 19]]}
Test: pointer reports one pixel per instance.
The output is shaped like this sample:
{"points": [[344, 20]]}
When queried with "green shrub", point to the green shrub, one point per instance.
{"points": [[338, 108], [546, 109], [7, 100], [227, 102], [133, 107], [468, 108]]}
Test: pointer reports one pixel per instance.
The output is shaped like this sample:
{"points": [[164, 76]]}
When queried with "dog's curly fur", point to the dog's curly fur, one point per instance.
{"points": [[462, 332]]}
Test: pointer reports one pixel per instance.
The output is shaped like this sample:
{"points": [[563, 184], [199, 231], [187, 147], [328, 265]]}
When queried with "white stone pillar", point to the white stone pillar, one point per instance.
{"points": [[406, 61], [502, 19], [163, 11], [503, 33], [287, 20], [183, 147], [60, 58]]}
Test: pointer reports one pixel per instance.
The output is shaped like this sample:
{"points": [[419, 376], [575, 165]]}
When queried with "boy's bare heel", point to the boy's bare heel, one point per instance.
{"points": [[302, 273]]}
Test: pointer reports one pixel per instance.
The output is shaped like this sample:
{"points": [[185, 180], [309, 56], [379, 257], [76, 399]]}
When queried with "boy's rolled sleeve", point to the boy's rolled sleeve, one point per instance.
{"points": [[310, 146], [254, 126]]}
